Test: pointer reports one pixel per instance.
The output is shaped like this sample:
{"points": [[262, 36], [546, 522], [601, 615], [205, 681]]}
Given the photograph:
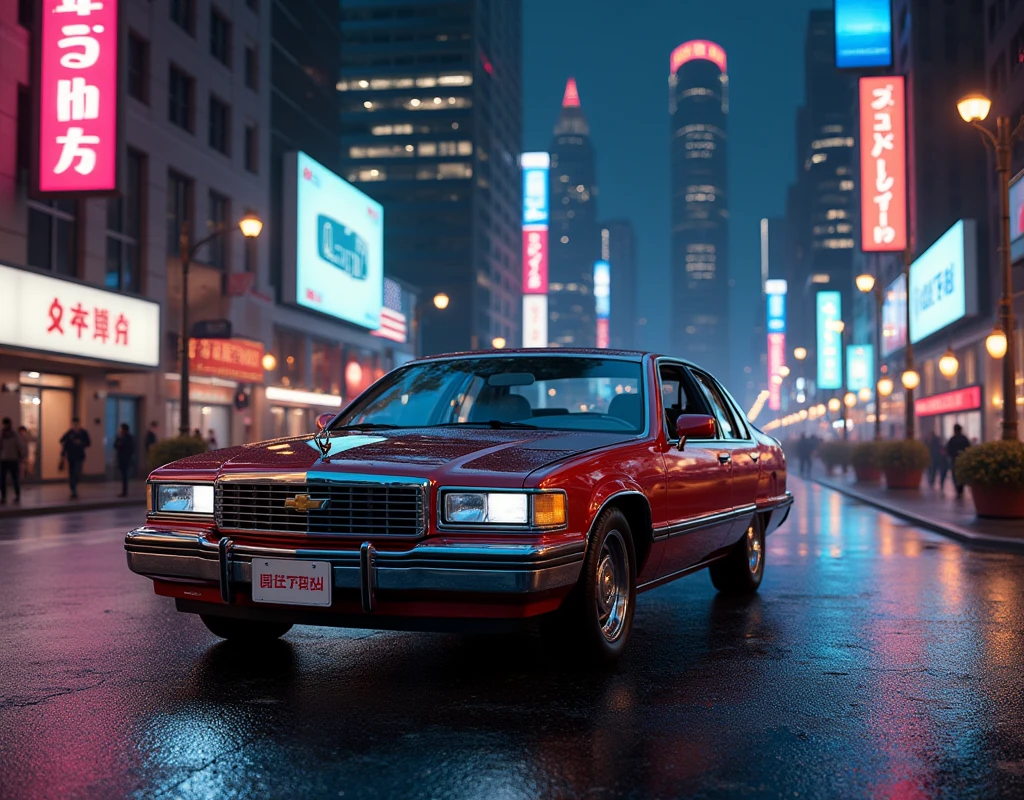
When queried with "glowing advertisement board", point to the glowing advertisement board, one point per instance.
{"points": [[535, 247], [602, 300], [943, 281], [883, 171], [860, 367], [333, 244], [894, 317], [863, 30], [1017, 217], [829, 306], [79, 108], [775, 291]]}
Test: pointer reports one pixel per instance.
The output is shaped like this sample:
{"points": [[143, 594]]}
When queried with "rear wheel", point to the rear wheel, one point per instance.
{"points": [[594, 622], [741, 571], [244, 630]]}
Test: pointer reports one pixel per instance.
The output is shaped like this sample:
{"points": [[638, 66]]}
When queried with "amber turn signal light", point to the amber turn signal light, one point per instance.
{"points": [[549, 509]]}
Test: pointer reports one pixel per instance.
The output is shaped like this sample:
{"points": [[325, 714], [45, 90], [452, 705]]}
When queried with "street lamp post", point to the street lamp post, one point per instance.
{"points": [[867, 283], [910, 377], [250, 226], [974, 109], [440, 302]]}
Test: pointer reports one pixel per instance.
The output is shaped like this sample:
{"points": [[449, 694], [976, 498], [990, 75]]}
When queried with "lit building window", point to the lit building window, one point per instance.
{"points": [[846, 186], [836, 213], [564, 240], [835, 141], [837, 244], [817, 158]]}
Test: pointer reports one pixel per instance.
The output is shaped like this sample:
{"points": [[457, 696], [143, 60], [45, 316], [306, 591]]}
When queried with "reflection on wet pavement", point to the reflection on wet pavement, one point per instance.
{"points": [[877, 661]]}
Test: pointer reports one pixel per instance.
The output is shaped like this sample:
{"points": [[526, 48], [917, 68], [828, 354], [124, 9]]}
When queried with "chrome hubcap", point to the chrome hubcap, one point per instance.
{"points": [[612, 586], [754, 550]]}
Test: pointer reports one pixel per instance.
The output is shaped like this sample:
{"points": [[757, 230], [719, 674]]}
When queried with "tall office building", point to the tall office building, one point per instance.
{"points": [[573, 232], [618, 248], [699, 108], [431, 128]]}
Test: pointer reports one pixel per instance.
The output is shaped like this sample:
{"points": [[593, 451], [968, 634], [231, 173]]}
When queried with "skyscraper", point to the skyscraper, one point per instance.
{"points": [[573, 236], [431, 128], [618, 248], [699, 108]]}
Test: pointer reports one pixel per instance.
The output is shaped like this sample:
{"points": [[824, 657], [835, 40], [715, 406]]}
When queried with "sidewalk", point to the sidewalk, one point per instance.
{"points": [[936, 509], [55, 498]]}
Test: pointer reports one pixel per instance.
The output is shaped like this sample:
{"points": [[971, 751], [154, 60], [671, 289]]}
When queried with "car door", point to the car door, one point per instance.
{"points": [[743, 453], [698, 482]]}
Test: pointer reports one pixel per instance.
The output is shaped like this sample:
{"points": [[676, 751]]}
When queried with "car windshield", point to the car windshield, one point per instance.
{"points": [[574, 393]]}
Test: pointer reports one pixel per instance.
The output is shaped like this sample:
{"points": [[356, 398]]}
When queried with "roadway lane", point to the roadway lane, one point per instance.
{"points": [[877, 661]]}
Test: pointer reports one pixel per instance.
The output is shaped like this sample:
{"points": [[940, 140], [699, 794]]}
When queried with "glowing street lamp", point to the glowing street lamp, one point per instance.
{"points": [[834, 405], [948, 364], [441, 301], [498, 342], [864, 394], [849, 399], [885, 386], [865, 282], [996, 343], [800, 353], [910, 379]]}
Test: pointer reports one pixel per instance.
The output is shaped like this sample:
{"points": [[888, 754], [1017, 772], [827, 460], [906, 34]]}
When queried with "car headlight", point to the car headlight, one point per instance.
{"points": [[172, 498], [504, 508]]}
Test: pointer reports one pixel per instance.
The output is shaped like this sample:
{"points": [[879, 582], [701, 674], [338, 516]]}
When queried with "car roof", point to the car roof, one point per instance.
{"points": [[631, 355]]}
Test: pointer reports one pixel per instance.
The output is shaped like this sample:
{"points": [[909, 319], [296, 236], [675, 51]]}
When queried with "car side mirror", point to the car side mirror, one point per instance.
{"points": [[324, 420], [694, 426]]}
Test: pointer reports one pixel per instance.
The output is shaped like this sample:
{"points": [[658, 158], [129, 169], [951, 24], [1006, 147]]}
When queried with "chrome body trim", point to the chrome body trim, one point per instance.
{"points": [[699, 523], [441, 566]]}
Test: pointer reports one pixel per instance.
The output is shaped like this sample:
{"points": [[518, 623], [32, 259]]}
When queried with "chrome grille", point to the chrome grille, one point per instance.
{"points": [[352, 508]]}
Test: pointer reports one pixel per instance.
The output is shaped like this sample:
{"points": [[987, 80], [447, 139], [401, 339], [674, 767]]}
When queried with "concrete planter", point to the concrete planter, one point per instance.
{"points": [[1000, 502], [899, 478]]}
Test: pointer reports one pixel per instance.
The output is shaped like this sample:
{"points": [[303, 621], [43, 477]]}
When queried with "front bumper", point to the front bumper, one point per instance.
{"points": [[504, 569]]}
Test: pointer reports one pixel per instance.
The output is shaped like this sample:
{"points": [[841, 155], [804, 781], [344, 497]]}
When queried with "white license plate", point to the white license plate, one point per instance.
{"points": [[298, 583]]}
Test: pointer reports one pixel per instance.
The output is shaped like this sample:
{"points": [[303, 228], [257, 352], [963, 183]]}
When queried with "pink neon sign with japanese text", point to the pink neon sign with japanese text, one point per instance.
{"points": [[78, 109]]}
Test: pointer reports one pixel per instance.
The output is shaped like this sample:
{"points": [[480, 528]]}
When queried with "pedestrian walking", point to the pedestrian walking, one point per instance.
{"points": [[151, 436], [954, 447], [803, 453], [72, 453], [124, 448], [27, 463], [939, 466], [211, 440], [12, 453]]}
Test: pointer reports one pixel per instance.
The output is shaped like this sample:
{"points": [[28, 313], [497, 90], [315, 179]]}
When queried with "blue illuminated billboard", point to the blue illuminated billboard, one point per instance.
{"points": [[860, 367], [830, 341], [863, 34], [535, 188], [602, 289], [333, 244], [944, 281], [775, 290]]}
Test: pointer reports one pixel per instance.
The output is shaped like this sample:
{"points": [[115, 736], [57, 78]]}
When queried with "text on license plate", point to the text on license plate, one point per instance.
{"points": [[301, 583]]}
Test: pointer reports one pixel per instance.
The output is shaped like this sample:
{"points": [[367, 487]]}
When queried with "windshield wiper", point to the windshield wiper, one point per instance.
{"points": [[489, 423], [366, 426]]}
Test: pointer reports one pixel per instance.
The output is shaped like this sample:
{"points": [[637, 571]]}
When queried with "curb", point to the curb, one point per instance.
{"points": [[10, 512], [946, 529]]}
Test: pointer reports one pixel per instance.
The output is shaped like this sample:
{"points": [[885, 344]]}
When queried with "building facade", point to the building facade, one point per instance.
{"points": [[574, 243], [699, 110], [431, 116], [198, 80], [618, 248]]}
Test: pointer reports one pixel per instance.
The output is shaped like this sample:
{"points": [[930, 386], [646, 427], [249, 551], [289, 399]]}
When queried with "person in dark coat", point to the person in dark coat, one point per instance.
{"points": [[940, 463], [124, 448], [151, 437], [12, 454], [73, 445], [954, 448]]}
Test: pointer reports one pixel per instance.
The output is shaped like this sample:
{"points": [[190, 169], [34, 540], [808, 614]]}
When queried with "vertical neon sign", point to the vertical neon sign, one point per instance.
{"points": [[535, 248], [79, 105], [883, 165], [602, 301], [775, 291], [830, 356]]}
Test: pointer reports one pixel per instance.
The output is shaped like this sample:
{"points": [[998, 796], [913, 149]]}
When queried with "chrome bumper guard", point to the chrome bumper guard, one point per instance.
{"points": [[444, 567]]}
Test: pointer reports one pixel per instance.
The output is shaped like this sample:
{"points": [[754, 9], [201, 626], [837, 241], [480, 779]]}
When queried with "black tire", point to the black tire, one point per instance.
{"points": [[245, 631], [592, 627], [741, 571]]}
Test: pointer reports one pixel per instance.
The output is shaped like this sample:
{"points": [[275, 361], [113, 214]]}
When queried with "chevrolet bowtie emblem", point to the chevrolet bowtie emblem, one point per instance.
{"points": [[303, 503]]}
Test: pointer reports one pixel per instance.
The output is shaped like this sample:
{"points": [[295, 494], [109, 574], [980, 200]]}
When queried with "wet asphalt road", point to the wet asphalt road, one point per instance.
{"points": [[878, 661]]}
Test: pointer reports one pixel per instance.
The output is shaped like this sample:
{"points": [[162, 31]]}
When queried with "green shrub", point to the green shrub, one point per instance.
{"points": [[905, 454], [167, 450], [867, 455], [999, 464], [835, 453]]}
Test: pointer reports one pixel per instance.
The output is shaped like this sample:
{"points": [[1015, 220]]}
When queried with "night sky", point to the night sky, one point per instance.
{"points": [[619, 55]]}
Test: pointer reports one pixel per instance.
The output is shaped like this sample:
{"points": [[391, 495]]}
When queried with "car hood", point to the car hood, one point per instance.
{"points": [[448, 454]]}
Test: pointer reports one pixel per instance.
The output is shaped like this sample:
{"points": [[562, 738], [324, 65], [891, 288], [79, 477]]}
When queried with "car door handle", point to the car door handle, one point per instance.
{"points": [[724, 458]]}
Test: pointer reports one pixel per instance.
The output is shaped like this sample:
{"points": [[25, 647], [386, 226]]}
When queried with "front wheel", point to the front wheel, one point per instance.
{"points": [[594, 622], [741, 571], [245, 631]]}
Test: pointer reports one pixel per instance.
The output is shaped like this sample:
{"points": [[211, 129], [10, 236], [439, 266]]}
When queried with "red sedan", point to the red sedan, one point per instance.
{"points": [[475, 490]]}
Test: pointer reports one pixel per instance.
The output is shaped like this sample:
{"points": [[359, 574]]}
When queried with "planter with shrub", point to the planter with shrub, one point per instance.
{"points": [[904, 462], [995, 473], [866, 458], [167, 450], [834, 453]]}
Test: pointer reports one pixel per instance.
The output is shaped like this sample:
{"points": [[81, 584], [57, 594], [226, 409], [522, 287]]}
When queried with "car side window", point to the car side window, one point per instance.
{"points": [[727, 423], [677, 397]]}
